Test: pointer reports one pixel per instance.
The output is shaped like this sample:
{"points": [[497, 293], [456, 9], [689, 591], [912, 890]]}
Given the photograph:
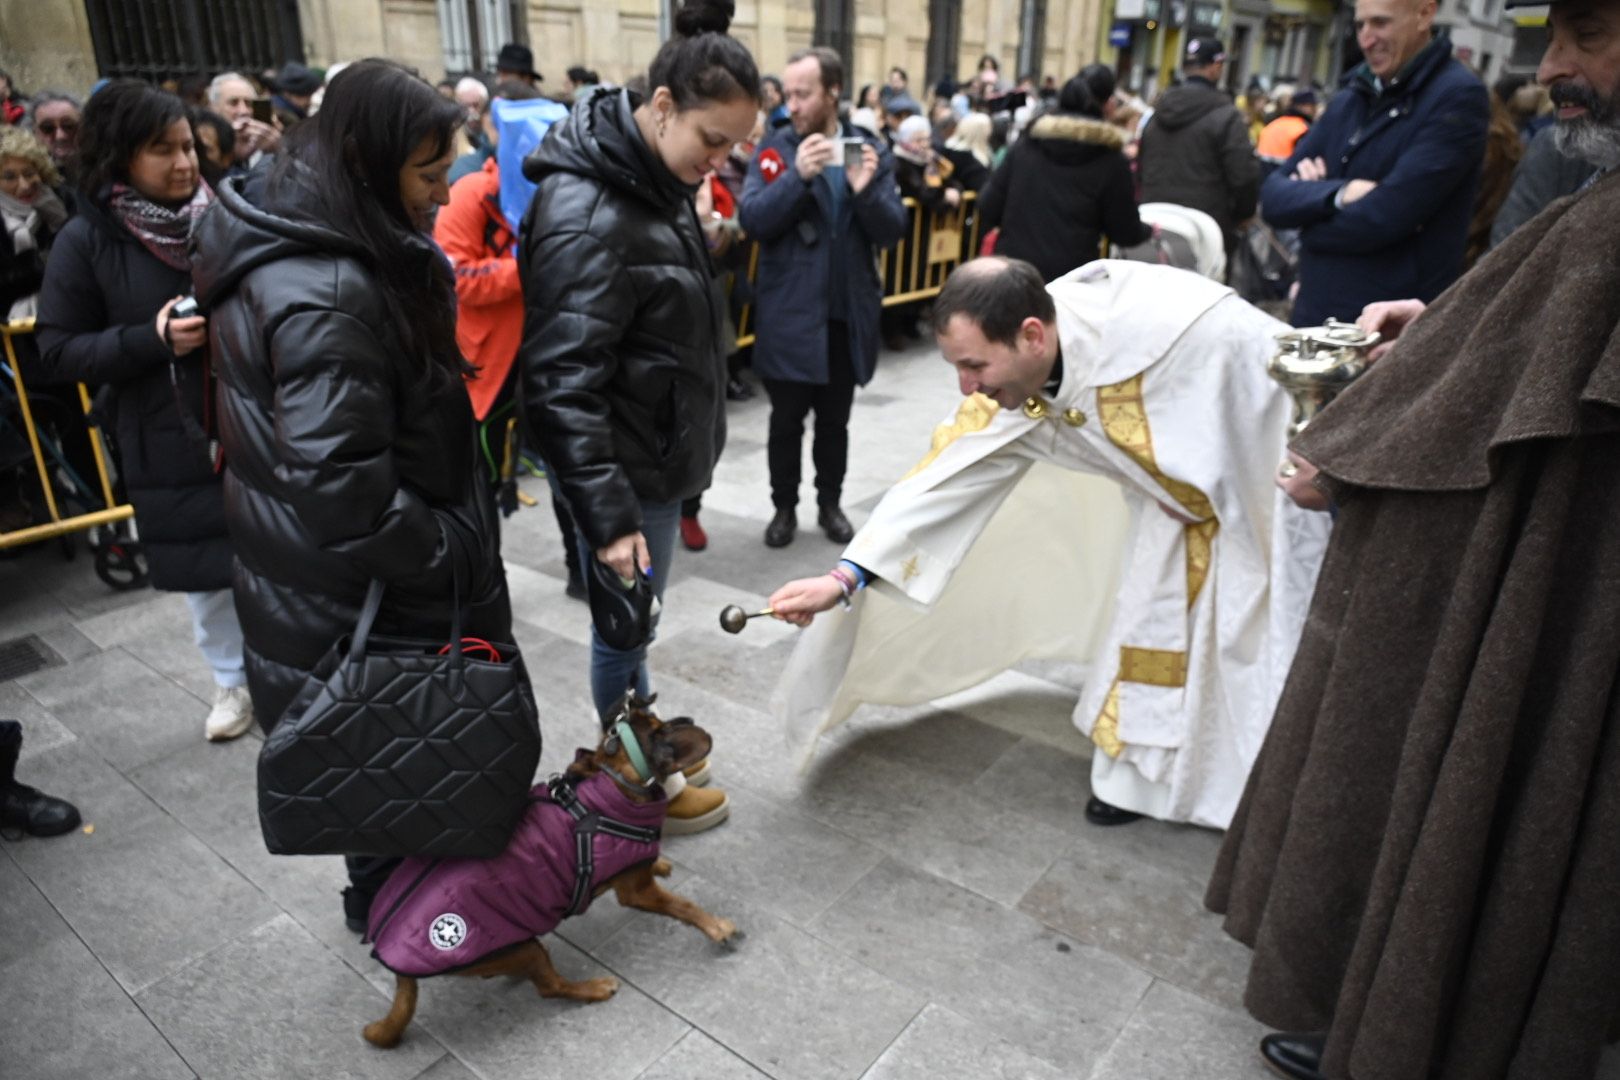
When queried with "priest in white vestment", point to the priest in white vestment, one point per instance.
{"points": [[1156, 379]]}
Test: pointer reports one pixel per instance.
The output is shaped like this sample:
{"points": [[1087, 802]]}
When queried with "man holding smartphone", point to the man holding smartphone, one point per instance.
{"points": [[820, 199], [232, 96]]}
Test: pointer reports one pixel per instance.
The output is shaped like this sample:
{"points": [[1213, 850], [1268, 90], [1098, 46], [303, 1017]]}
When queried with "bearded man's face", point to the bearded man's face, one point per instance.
{"points": [[1581, 71]]}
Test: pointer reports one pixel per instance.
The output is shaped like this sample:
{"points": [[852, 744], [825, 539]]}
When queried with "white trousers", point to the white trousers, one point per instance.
{"points": [[218, 635]]}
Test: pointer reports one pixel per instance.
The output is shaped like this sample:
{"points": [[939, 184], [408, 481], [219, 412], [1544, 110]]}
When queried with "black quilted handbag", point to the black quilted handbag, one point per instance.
{"points": [[402, 747]]}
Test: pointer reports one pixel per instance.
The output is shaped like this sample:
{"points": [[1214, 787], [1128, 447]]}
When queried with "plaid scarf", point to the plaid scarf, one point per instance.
{"points": [[164, 232]]}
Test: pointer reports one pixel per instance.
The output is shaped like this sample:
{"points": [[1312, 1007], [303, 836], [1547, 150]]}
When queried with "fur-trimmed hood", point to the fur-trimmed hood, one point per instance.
{"points": [[1066, 127]]}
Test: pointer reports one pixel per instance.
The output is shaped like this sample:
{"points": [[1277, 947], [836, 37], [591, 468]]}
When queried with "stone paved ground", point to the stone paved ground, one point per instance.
{"points": [[926, 903]]}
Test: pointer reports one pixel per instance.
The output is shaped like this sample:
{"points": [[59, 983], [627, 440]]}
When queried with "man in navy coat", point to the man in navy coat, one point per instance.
{"points": [[1382, 187], [820, 211]]}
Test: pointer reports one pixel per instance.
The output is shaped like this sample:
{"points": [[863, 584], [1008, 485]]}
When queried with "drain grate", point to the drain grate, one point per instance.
{"points": [[19, 656]]}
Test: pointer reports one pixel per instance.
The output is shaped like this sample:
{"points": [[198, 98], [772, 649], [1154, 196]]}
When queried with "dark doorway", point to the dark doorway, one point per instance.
{"points": [[944, 39], [835, 28]]}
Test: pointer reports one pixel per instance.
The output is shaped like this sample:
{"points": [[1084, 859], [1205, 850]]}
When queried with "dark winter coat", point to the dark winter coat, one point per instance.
{"points": [[97, 324], [340, 465], [804, 254], [1422, 138], [1196, 152], [1064, 186], [1427, 856], [1543, 175], [623, 356], [23, 275]]}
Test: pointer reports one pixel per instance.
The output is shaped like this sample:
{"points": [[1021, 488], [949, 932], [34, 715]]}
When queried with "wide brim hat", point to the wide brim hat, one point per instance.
{"points": [[518, 58]]}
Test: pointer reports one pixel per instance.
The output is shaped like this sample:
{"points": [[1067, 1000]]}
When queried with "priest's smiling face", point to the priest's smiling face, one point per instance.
{"points": [[1008, 373]]}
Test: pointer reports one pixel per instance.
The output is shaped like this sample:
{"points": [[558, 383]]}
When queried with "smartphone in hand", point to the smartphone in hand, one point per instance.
{"points": [[261, 109]]}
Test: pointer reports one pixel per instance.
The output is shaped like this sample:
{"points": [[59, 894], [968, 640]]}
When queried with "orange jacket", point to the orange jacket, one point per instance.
{"points": [[1277, 138], [473, 232]]}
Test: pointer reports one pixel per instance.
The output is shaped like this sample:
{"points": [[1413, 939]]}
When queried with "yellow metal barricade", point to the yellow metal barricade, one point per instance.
{"points": [[915, 268], [112, 512]]}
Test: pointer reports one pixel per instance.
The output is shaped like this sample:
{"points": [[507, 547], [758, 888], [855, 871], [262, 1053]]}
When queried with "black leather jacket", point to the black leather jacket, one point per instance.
{"points": [[341, 465], [622, 359]]}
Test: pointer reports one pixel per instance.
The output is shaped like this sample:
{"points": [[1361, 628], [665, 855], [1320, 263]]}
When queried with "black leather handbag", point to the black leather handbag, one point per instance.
{"points": [[402, 747]]}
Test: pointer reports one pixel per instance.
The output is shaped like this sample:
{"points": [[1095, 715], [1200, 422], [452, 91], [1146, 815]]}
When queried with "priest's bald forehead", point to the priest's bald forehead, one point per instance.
{"points": [[996, 294]]}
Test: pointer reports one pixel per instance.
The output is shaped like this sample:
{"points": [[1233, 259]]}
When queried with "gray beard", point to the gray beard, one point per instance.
{"points": [[1590, 140]]}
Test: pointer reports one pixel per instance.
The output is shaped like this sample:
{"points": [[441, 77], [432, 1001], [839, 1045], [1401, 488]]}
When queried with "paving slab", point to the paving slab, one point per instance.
{"points": [[939, 1044], [276, 1003], [1138, 891], [503, 1030], [1175, 1035], [698, 1057], [1058, 999], [66, 1018], [780, 998], [128, 711]]}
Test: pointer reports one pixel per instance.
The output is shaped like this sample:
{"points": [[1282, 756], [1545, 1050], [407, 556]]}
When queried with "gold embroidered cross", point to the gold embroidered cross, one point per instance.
{"points": [[908, 569]]}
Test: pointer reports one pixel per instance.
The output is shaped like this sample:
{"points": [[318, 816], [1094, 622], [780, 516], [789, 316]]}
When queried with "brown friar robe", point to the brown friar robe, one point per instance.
{"points": [[1426, 860]]}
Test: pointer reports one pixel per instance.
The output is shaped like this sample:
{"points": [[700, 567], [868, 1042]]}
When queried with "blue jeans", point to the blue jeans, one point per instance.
{"points": [[613, 669]]}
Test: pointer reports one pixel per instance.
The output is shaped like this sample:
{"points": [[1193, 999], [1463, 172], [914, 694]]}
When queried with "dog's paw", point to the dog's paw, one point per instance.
{"points": [[595, 989], [662, 867], [381, 1035], [725, 933]]}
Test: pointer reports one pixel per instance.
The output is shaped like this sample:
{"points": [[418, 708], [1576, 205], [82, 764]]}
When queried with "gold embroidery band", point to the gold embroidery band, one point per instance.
{"points": [[1200, 541], [1124, 418], [1152, 667], [1105, 730], [974, 414]]}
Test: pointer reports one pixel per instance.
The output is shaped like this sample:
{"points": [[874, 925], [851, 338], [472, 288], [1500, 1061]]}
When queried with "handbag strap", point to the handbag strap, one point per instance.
{"points": [[374, 599]]}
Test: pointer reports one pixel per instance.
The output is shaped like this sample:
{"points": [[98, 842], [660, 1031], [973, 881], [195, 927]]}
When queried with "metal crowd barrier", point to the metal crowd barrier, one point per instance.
{"points": [[48, 457], [915, 268]]}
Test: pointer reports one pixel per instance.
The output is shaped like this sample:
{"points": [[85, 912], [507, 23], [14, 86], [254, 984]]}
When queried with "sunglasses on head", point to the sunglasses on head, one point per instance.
{"points": [[49, 127]]}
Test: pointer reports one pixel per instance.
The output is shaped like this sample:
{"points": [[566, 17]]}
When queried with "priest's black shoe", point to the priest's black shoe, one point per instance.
{"points": [[835, 525], [779, 533], [1294, 1054], [35, 813], [1101, 813]]}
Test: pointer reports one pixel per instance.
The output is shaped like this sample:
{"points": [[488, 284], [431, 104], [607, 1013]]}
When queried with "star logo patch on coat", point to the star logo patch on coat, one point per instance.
{"points": [[771, 166], [447, 931]]}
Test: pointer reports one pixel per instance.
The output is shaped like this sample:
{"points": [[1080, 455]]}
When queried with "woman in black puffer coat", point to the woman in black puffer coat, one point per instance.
{"points": [[348, 436], [115, 271], [624, 341], [1065, 184]]}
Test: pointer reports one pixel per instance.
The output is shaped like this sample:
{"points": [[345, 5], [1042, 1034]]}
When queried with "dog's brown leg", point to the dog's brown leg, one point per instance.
{"points": [[550, 983], [636, 888], [386, 1033]]}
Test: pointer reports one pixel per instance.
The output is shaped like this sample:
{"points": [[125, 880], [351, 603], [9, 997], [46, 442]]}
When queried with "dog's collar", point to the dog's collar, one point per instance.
{"points": [[625, 735]]}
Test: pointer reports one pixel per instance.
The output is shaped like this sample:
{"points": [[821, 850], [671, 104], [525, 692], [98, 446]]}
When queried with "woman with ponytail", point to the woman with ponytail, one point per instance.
{"points": [[624, 341], [348, 435], [1066, 184]]}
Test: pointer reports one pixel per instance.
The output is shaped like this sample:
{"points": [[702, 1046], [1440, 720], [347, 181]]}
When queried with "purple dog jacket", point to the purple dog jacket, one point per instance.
{"points": [[437, 915]]}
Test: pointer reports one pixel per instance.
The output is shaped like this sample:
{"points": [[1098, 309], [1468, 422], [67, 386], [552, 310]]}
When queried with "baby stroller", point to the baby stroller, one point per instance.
{"points": [[1187, 238]]}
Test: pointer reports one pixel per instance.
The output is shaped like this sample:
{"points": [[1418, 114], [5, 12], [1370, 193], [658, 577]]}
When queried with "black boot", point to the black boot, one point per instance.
{"points": [[23, 807], [367, 875], [779, 533], [1296, 1055], [835, 525]]}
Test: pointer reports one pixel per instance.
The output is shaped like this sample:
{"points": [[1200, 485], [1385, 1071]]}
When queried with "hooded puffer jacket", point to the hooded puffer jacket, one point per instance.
{"points": [[1196, 152], [438, 915], [623, 364], [1063, 186], [341, 464]]}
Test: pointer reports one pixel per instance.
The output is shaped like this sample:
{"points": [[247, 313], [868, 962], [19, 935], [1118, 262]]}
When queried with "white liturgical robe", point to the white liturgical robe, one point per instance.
{"points": [[1187, 597]]}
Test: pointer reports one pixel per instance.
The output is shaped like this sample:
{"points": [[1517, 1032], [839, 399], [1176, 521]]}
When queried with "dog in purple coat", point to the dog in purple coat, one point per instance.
{"points": [[594, 828]]}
